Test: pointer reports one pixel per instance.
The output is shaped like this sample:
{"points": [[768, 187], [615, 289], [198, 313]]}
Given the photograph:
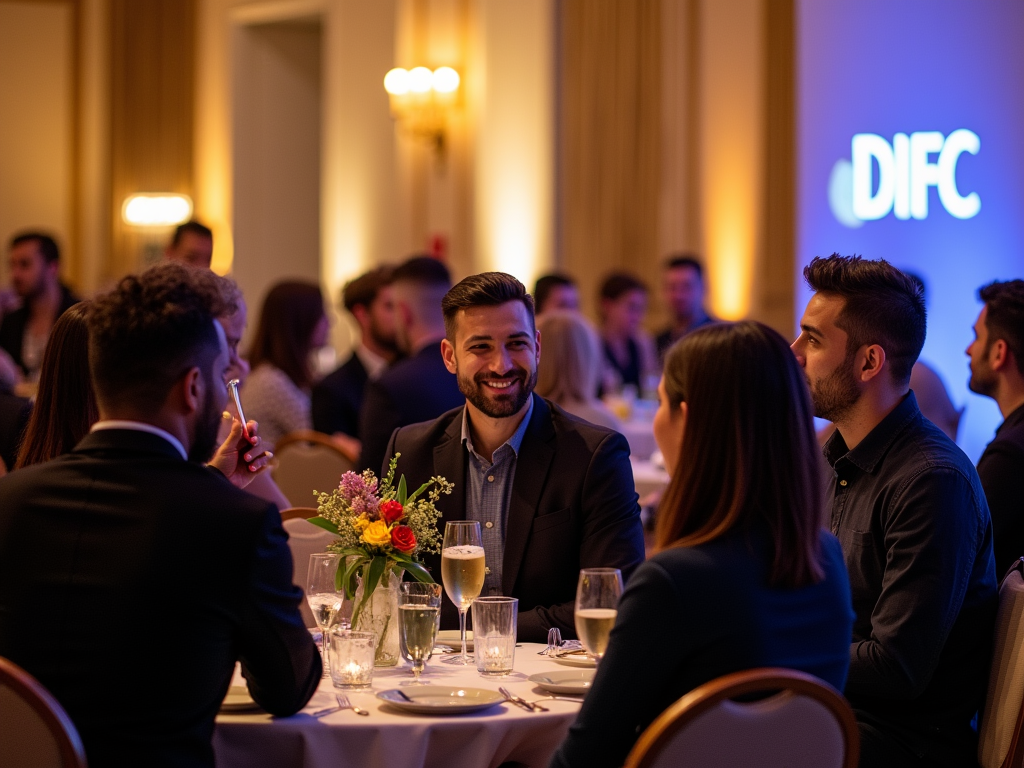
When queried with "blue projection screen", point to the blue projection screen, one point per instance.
{"points": [[911, 148]]}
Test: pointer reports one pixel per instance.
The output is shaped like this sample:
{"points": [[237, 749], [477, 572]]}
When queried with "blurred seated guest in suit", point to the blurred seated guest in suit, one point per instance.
{"points": [[292, 326], [417, 387], [556, 292], [338, 397], [744, 575], [65, 405], [910, 513], [628, 350], [683, 291], [191, 244], [570, 368], [34, 264], [129, 523], [553, 494], [997, 371]]}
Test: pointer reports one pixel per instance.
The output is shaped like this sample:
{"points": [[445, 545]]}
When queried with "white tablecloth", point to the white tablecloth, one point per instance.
{"points": [[639, 433], [392, 739], [648, 477]]}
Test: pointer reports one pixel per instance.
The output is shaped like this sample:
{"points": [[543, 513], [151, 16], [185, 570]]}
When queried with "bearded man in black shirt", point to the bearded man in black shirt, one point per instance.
{"points": [[911, 516]]}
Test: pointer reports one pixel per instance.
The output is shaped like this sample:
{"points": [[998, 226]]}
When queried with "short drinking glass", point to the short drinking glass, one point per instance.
{"points": [[462, 571], [352, 653], [323, 598], [597, 600], [494, 634], [418, 608]]}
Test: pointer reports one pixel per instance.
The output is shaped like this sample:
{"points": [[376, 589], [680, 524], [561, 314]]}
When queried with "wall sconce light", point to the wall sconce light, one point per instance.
{"points": [[421, 100], [156, 209]]}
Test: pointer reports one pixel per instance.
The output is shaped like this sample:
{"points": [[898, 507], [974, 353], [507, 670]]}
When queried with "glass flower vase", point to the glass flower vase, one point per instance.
{"points": [[380, 616]]}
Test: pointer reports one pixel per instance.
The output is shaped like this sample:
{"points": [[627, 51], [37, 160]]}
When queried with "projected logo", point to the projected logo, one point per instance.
{"points": [[905, 171]]}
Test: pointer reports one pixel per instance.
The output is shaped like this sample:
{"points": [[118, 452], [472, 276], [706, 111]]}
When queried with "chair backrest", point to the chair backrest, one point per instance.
{"points": [[36, 732], [803, 723], [300, 513], [1001, 742], [308, 461], [304, 538]]}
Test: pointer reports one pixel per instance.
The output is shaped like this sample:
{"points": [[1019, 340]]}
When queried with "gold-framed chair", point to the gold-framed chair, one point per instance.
{"points": [[36, 731], [308, 461], [801, 722], [1001, 737]]}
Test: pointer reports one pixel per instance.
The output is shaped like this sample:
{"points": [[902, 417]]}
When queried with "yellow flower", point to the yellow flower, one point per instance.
{"points": [[377, 534], [360, 523]]}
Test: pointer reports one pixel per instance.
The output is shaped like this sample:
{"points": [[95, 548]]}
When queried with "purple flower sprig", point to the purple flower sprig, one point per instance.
{"points": [[360, 491]]}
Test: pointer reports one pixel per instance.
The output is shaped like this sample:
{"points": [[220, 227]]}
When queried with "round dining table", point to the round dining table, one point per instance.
{"points": [[391, 738]]}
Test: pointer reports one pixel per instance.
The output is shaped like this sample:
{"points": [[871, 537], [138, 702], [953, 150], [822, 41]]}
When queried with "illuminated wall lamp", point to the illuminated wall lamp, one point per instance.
{"points": [[421, 100], [156, 209]]}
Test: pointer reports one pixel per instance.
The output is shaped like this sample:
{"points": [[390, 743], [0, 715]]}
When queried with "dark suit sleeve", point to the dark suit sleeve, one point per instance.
{"points": [[1000, 469], [325, 418], [379, 419], [611, 536], [279, 658]]}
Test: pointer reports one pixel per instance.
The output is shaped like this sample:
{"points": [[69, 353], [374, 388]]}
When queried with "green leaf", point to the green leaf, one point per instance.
{"points": [[418, 572], [419, 490], [401, 490], [371, 577], [327, 525], [349, 579], [351, 552]]}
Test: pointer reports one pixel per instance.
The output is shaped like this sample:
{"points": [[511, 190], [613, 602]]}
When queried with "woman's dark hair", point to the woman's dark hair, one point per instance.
{"points": [[285, 330], [748, 452], [619, 283], [65, 407]]}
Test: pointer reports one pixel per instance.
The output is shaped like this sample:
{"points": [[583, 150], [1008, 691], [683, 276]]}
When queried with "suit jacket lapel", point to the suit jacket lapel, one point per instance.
{"points": [[532, 465], [450, 463]]}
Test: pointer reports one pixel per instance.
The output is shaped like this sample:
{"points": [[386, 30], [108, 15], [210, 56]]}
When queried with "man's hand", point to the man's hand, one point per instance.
{"points": [[238, 459]]}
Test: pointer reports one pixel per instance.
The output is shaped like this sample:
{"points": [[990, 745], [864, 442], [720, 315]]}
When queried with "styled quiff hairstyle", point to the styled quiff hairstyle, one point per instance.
{"points": [[363, 290], [1005, 317], [882, 305], [151, 329], [751, 453], [488, 289]]}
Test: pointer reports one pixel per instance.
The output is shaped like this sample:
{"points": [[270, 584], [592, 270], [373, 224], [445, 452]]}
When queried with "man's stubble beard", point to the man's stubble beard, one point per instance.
{"points": [[204, 440], [836, 394], [472, 389]]}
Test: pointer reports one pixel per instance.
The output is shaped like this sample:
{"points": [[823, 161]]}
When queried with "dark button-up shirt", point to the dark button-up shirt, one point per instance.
{"points": [[1000, 468], [908, 509]]}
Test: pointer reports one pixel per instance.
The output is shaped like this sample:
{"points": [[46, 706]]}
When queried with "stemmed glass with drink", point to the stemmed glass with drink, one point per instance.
{"points": [[597, 599], [323, 597], [462, 571], [419, 609]]}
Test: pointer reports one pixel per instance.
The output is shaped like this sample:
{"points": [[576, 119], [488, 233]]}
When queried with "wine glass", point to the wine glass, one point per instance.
{"points": [[597, 598], [419, 606], [462, 571], [323, 597]]}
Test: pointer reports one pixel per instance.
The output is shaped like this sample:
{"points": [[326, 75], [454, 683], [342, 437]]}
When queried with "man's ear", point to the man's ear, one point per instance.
{"points": [[870, 361], [448, 354], [191, 387], [999, 355]]}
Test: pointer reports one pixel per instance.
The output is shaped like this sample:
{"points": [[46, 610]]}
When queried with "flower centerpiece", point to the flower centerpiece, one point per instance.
{"points": [[381, 531]]}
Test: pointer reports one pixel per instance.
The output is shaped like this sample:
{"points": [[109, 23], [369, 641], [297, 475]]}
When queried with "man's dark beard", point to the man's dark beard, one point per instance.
{"points": [[207, 426], [382, 340], [837, 393], [504, 406], [983, 382]]}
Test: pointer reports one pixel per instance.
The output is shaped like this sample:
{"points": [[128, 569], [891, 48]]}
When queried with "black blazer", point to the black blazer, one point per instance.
{"points": [[573, 506], [131, 581], [12, 328], [338, 398], [418, 388]]}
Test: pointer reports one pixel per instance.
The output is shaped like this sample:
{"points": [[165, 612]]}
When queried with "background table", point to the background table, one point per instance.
{"points": [[389, 738]]}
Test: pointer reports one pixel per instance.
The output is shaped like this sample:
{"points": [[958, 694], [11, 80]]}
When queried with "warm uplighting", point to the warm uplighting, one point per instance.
{"points": [[420, 99], [445, 80], [156, 210]]}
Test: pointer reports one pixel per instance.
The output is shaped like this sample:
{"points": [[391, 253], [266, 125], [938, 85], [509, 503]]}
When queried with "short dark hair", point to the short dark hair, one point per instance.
{"points": [[192, 226], [882, 306], [422, 270], [488, 289], [363, 290], [44, 242], [680, 260], [546, 285], [620, 283], [285, 330], [147, 332], [1005, 317]]}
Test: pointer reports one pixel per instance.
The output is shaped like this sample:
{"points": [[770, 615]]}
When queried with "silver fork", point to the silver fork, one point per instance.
{"points": [[521, 701], [344, 703]]}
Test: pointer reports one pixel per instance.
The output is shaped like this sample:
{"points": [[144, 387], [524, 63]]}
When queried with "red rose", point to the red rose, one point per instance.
{"points": [[402, 538], [391, 511]]}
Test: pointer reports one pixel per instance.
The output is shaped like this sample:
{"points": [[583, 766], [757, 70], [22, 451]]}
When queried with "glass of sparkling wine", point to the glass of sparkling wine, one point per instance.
{"points": [[462, 571], [597, 598], [323, 598], [418, 609]]}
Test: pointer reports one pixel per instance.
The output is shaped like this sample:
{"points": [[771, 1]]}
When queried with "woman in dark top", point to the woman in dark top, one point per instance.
{"points": [[628, 352], [744, 576]]}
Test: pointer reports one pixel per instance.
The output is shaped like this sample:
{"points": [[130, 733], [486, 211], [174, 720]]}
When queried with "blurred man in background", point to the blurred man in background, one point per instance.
{"points": [[683, 292], [556, 291], [192, 244]]}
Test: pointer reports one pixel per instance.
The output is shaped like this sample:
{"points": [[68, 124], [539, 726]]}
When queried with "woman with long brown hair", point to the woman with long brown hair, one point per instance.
{"points": [[744, 575]]}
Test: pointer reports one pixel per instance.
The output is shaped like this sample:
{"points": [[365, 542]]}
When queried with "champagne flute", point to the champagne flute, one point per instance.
{"points": [[462, 571], [418, 609], [323, 598], [597, 598]]}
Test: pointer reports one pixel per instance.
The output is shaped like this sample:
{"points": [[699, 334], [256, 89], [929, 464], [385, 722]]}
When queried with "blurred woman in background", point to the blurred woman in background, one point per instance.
{"points": [[629, 355]]}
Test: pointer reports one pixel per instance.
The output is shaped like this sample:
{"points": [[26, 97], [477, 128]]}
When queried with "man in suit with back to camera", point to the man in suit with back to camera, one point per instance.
{"points": [[126, 558], [418, 387], [553, 493]]}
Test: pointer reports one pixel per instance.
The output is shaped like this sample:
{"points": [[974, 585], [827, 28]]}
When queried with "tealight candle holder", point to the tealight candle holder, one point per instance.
{"points": [[494, 634], [352, 654]]}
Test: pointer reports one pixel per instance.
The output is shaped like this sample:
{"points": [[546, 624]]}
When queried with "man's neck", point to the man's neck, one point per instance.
{"points": [[1010, 397], [169, 424], [684, 324], [45, 303], [868, 412], [489, 433], [386, 354]]}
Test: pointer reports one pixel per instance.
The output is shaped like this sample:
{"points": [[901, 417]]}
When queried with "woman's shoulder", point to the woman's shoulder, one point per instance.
{"points": [[268, 376]]}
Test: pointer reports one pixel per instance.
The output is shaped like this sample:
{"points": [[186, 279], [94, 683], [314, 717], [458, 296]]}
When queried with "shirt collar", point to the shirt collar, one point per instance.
{"points": [[515, 441], [140, 426], [871, 449], [372, 362]]}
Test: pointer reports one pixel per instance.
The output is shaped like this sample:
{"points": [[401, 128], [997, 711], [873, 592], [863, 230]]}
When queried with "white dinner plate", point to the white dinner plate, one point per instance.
{"points": [[454, 639], [576, 660], [238, 700], [441, 700], [572, 681]]}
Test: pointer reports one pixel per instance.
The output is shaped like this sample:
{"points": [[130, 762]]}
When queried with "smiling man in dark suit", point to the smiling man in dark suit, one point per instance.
{"points": [[126, 558], [553, 494]]}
